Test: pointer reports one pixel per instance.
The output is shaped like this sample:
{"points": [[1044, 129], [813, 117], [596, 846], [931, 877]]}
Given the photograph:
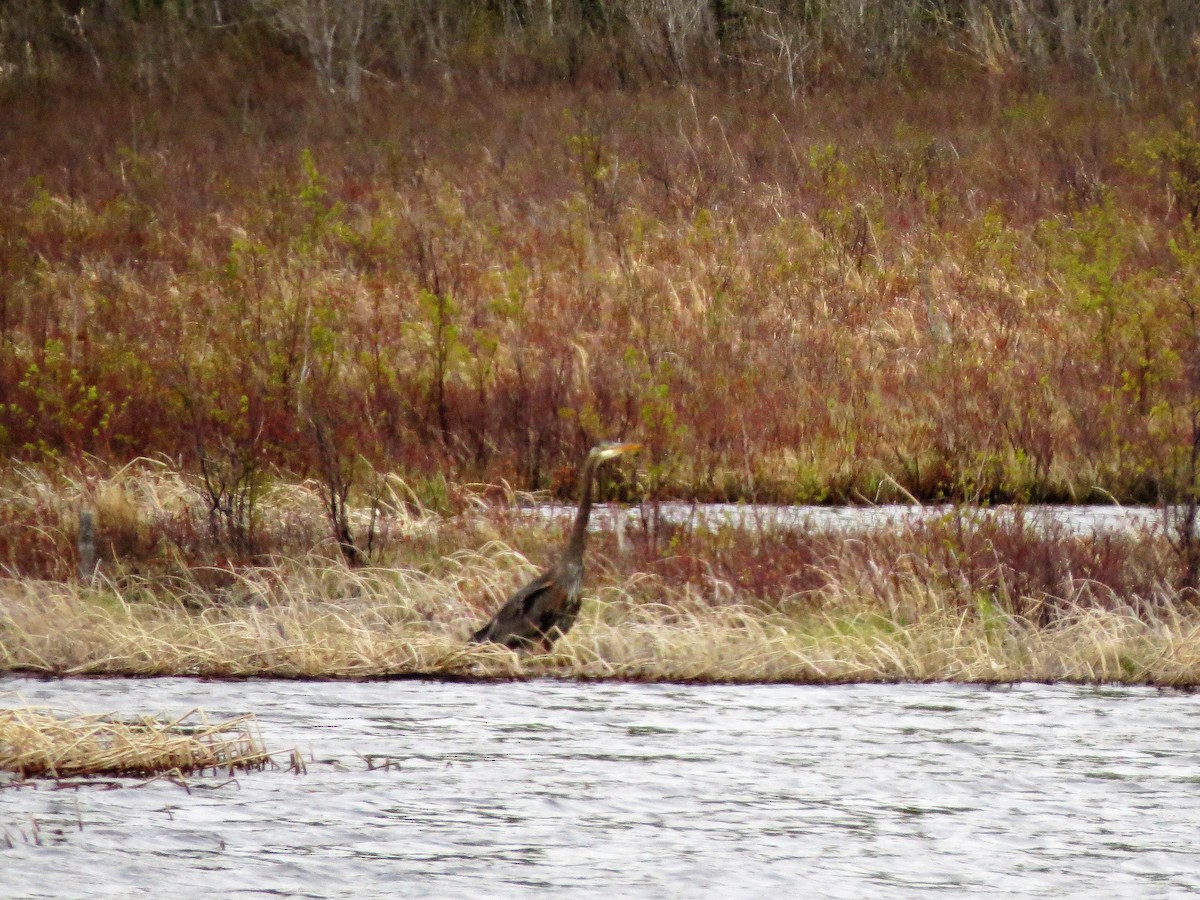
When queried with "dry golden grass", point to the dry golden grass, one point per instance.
{"points": [[303, 620], [38, 742], [739, 644]]}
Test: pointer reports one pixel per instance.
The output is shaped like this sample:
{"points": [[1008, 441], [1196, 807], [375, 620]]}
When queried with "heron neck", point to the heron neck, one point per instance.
{"points": [[579, 531]]}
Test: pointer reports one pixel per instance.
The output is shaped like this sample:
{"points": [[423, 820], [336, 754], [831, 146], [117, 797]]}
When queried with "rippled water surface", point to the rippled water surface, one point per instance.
{"points": [[565, 789]]}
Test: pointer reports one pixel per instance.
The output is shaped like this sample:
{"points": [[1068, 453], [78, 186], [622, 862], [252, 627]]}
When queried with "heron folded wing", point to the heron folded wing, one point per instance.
{"points": [[518, 623]]}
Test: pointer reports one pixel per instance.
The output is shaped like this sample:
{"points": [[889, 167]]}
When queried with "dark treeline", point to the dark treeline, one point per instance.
{"points": [[777, 44]]}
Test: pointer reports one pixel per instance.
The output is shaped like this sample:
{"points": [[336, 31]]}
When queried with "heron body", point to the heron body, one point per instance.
{"points": [[545, 609]]}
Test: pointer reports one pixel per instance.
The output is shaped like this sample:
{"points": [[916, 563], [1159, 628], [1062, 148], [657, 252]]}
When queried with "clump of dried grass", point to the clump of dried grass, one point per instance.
{"points": [[37, 742]]}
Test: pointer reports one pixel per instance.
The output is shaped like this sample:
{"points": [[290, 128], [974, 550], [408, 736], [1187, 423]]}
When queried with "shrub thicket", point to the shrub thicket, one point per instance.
{"points": [[805, 252]]}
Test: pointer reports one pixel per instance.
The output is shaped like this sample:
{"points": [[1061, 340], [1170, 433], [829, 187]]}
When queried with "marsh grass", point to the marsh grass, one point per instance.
{"points": [[297, 620], [236, 299], [617, 639], [929, 640], [37, 742], [963, 595]]}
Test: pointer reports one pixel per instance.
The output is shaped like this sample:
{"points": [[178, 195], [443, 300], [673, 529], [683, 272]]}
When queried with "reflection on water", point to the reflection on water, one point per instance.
{"points": [[601, 790]]}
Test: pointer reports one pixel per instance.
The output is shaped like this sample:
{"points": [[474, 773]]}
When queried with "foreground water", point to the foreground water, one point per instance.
{"points": [[569, 789]]}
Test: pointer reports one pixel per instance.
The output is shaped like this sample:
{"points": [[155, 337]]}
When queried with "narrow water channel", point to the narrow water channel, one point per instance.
{"points": [[565, 789], [1070, 519]]}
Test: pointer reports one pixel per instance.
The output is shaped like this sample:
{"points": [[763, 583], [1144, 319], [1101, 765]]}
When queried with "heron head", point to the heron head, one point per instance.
{"points": [[612, 449]]}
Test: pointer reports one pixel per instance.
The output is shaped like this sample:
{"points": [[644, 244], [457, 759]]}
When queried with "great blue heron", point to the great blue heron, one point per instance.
{"points": [[545, 609]]}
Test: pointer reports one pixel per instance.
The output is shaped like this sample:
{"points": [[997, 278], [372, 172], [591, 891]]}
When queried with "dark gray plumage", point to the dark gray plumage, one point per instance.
{"points": [[545, 609]]}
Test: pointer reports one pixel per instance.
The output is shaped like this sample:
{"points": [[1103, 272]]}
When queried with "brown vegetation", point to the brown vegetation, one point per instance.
{"points": [[351, 257], [941, 257]]}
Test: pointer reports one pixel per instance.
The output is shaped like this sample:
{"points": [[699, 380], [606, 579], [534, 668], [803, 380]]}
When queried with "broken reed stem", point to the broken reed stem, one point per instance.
{"points": [[36, 742]]}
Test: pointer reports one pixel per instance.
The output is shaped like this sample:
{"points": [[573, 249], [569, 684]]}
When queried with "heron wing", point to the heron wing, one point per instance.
{"points": [[527, 616]]}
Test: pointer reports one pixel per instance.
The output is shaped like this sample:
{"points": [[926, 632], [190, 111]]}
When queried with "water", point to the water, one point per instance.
{"points": [[1073, 519], [590, 790]]}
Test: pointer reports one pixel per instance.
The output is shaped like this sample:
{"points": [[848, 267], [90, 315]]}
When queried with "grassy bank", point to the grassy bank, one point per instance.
{"points": [[637, 630], [962, 596]]}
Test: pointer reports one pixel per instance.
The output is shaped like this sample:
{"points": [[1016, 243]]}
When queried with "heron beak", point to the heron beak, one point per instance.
{"points": [[614, 450]]}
